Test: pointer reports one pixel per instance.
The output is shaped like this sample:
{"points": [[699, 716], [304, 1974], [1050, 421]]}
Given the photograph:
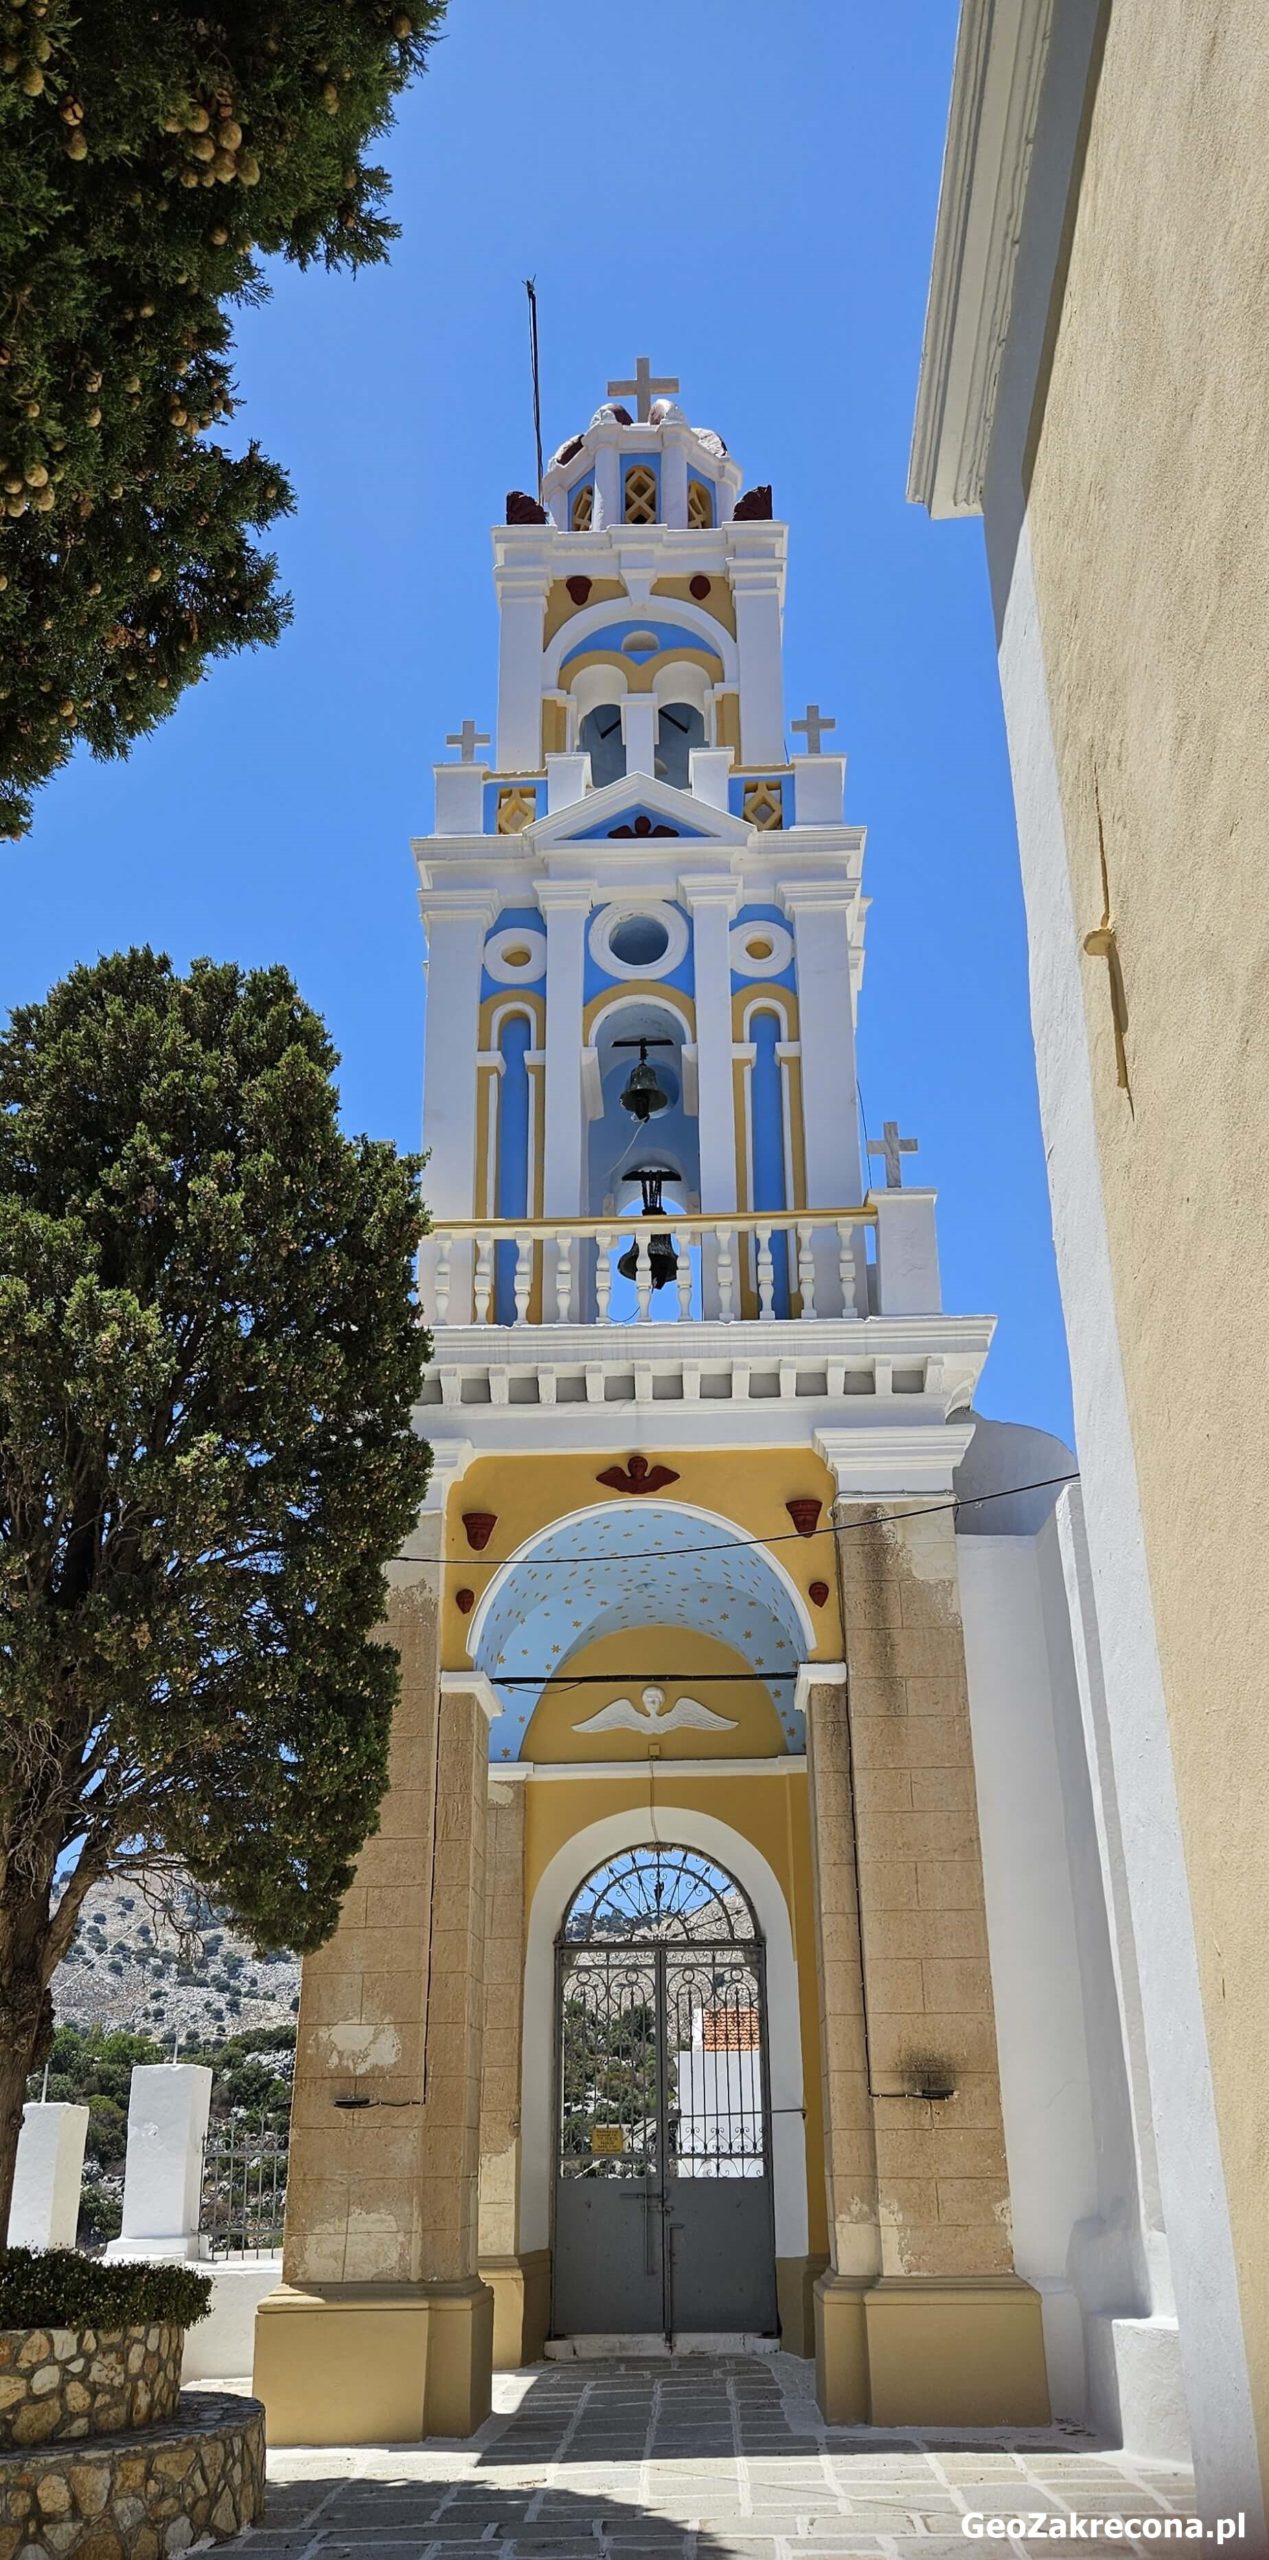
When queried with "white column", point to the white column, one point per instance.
{"points": [[566, 906], [168, 2107], [757, 584], [713, 904], [609, 509], [456, 922], [44, 2213], [708, 770], [820, 914], [907, 1253], [639, 730], [819, 790], [522, 586], [460, 799], [567, 780]]}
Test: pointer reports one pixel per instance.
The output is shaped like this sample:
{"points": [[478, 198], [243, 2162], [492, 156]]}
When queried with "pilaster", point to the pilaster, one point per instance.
{"points": [[566, 907], [757, 579], [850, 2158]]}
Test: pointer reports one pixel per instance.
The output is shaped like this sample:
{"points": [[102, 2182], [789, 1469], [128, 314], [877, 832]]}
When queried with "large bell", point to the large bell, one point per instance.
{"points": [[663, 1261], [643, 1095]]}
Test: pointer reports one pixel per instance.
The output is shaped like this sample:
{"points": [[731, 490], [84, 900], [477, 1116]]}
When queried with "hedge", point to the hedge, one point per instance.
{"points": [[59, 2289]]}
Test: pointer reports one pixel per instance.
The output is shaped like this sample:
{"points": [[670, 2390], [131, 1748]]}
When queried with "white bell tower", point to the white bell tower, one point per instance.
{"points": [[644, 876]]}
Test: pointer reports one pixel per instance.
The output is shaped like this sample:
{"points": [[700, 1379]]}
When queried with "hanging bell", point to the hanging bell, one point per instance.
{"points": [[643, 1095], [628, 1262], [663, 1261]]}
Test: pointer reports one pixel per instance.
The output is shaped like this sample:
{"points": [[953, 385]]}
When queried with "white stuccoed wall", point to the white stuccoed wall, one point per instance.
{"points": [[44, 2213], [1073, 2088]]}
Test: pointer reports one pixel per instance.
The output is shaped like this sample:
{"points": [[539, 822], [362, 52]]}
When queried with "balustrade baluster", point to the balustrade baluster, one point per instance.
{"points": [[725, 1272], [603, 1274], [643, 1282], [483, 1287], [524, 1277], [766, 1274], [440, 1288], [846, 1264], [683, 1276], [806, 1268], [563, 1276]]}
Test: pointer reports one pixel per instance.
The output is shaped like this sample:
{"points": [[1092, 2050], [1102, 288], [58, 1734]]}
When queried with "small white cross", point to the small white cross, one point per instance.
{"points": [[893, 1148], [467, 739], [644, 384], [814, 727]]}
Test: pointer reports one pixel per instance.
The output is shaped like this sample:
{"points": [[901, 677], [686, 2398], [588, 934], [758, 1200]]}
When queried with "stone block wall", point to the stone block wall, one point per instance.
{"points": [[129, 2497], [60, 2384]]}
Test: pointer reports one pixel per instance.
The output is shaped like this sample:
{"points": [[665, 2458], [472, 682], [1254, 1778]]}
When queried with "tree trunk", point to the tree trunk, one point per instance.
{"points": [[24, 1931]]}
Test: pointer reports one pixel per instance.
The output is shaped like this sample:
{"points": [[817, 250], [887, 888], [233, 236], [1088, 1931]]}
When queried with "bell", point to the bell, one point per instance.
{"points": [[628, 1262], [643, 1096], [662, 1259]]}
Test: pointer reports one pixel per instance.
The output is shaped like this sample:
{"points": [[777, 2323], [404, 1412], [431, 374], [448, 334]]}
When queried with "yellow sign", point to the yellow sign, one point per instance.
{"points": [[608, 2139]]}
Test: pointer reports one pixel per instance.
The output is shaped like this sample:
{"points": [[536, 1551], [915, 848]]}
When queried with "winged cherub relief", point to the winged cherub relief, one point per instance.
{"points": [[651, 1716]]}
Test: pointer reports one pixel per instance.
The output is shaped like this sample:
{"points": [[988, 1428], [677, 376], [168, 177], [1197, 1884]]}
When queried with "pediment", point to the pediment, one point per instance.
{"points": [[637, 808]]}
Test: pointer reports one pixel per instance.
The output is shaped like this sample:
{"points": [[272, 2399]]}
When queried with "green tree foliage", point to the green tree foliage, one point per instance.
{"points": [[209, 1352], [150, 154]]}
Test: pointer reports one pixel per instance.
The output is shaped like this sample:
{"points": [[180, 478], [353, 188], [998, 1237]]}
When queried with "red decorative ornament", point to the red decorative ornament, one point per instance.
{"points": [[579, 589], [480, 1526], [637, 1476], [699, 587], [818, 1592], [466, 1601], [804, 1513]]}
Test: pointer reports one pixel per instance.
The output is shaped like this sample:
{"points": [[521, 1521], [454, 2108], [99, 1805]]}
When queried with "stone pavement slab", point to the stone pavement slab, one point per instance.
{"points": [[695, 2459]]}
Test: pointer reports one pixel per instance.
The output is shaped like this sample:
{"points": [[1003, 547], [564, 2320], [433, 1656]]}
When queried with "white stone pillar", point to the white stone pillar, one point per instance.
{"points": [[566, 907], [44, 2213], [907, 1253], [820, 913], [713, 904], [709, 769], [522, 585], [819, 790], [460, 799], [455, 922], [639, 730], [758, 587], [168, 2108], [567, 780], [609, 509]]}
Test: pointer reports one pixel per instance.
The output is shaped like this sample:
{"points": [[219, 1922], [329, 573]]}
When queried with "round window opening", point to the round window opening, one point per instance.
{"points": [[517, 955], [639, 941], [759, 947]]}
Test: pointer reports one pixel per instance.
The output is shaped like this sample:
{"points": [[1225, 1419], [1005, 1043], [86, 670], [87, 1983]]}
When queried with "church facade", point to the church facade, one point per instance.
{"points": [[740, 1956]]}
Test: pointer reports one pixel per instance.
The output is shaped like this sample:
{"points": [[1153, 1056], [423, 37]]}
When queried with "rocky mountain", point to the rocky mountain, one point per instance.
{"points": [[154, 1957]]}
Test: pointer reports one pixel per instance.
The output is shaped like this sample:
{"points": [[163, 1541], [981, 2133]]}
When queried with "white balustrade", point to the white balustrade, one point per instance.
{"points": [[767, 1266]]}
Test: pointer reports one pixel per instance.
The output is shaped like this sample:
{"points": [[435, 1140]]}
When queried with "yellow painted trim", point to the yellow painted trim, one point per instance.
{"points": [[554, 729], [719, 604], [530, 1494], [640, 678], [727, 719], [512, 1000], [758, 995], [560, 607], [624, 990]]}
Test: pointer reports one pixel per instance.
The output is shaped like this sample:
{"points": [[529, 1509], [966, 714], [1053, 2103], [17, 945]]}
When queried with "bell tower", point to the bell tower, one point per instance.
{"points": [[645, 862]]}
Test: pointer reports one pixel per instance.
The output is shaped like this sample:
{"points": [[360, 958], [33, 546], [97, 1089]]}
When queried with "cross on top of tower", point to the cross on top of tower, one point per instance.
{"points": [[893, 1148], [467, 739], [644, 385], [813, 727]]}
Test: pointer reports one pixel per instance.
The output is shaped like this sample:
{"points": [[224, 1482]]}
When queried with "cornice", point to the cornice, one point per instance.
{"points": [[1001, 54]]}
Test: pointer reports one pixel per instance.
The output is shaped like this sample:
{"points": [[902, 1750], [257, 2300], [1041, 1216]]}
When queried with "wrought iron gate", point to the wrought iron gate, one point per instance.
{"points": [[663, 2207]]}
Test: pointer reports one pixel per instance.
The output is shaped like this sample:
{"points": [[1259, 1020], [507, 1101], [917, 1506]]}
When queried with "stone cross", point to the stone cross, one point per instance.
{"points": [[893, 1148], [814, 727], [644, 384], [467, 739]]}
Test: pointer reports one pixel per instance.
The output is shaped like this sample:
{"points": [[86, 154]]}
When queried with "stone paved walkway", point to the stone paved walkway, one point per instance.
{"points": [[695, 2459]]}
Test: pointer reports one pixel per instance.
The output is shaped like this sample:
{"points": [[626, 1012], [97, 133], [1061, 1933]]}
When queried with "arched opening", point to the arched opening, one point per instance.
{"points": [[513, 1144], [663, 2187], [600, 737], [768, 1140], [680, 727]]}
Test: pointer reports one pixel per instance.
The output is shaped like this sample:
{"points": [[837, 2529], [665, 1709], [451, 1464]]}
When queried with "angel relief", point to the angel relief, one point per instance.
{"points": [[652, 1716]]}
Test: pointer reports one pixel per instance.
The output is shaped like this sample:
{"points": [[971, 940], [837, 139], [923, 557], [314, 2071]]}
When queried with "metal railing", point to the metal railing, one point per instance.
{"points": [[244, 2187], [761, 1265]]}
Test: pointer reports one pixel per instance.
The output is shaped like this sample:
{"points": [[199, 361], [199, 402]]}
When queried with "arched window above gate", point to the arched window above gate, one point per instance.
{"points": [[657, 1894]]}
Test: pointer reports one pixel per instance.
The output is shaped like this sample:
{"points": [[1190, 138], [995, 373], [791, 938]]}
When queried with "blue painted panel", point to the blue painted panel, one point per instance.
{"points": [[528, 919], [771, 977], [682, 975], [511, 1188], [669, 635], [770, 1190], [527, 782]]}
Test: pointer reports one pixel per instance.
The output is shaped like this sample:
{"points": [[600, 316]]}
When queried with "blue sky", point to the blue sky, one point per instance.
{"points": [[746, 192]]}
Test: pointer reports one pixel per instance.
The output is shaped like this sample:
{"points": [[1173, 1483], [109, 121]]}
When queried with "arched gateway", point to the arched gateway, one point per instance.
{"points": [[663, 2176]]}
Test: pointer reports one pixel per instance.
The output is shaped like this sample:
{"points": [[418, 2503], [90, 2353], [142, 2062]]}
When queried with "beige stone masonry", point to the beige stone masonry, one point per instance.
{"points": [[942, 2190]]}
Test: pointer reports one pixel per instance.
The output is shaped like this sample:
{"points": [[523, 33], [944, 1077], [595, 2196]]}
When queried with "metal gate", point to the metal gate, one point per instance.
{"points": [[663, 2211]]}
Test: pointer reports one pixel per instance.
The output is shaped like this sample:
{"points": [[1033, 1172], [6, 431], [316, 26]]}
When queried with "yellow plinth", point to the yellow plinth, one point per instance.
{"points": [[950, 2351], [392, 2364], [521, 2289]]}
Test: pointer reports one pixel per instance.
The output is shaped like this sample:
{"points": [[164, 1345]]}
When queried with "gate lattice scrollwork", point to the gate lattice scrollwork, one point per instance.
{"points": [[663, 2171]]}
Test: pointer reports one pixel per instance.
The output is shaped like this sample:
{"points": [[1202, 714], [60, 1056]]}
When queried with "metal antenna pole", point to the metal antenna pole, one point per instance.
{"points": [[530, 286]]}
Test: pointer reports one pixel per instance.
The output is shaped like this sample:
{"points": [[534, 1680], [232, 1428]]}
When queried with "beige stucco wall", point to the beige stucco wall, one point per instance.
{"points": [[1147, 513]]}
